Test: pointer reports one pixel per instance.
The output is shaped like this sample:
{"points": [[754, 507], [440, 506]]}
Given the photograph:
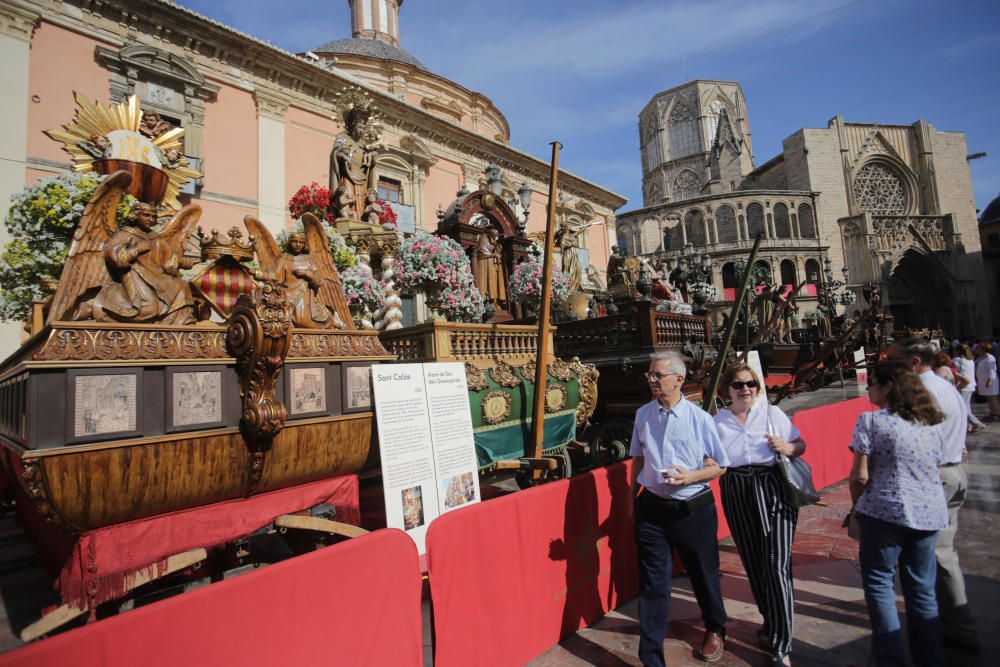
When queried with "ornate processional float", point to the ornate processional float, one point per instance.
{"points": [[164, 373]]}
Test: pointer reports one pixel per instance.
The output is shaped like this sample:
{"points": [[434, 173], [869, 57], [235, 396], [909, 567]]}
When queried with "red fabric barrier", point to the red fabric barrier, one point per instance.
{"points": [[510, 577], [777, 379], [101, 560], [355, 603], [827, 432]]}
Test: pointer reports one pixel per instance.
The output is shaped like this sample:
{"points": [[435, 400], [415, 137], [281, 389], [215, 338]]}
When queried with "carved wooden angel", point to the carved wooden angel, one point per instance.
{"points": [[127, 273], [312, 284]]}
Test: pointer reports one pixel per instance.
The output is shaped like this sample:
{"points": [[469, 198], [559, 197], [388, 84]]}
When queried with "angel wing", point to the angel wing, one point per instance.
{"points": [[331, 291], [85, 269], [265, 246], [177, 232]]}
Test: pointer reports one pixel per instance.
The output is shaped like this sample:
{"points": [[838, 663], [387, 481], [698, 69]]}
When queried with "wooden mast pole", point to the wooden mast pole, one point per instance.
{"points": [[708, 402], [544, 316]]}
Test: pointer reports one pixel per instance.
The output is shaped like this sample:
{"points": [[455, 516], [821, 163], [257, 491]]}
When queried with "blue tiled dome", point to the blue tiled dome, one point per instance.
{"points": [[372, 48]]}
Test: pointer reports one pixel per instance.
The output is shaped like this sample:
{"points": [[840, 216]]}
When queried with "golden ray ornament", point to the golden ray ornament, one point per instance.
{"points": [[107, 139]]}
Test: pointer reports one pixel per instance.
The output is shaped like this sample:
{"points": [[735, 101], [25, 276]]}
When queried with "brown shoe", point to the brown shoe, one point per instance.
{"points": [[712, 647]]}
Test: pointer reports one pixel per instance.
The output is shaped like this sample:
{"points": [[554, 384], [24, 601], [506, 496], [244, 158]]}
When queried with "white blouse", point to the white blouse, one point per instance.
{"points": [[745, 443]]}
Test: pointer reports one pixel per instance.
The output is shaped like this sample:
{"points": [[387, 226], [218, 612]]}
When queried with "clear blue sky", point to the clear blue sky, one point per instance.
{"points": [[581, 70]]}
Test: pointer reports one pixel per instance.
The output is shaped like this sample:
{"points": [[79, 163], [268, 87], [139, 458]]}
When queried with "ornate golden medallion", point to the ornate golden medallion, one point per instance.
{"points": [[488, 200], [474, 377], [556, 396], [496, 406], [503, 374], [562, 370]]}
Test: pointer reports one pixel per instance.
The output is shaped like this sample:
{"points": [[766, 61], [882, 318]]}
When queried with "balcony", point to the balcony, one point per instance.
{"points": [[737, 247], [645, 329]]}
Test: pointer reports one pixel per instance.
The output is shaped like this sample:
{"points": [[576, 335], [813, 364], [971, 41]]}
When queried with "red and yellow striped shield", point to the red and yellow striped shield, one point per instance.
{"points": [[221, 283]]}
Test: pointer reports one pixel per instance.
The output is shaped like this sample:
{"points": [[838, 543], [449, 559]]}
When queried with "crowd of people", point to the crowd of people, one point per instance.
{"points": [[907, 483]]}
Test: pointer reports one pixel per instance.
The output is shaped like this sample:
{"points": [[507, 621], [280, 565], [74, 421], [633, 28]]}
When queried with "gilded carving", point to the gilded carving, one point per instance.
{"points": [[588, 375], [556, 396], [503, 374], [324, 344], [111, 344], [475, 378], [562, 370], [527, 370], [34, 486], [496, 406]]}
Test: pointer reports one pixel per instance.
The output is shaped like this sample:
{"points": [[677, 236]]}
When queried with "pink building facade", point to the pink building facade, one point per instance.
{"points": [[259, 121]]}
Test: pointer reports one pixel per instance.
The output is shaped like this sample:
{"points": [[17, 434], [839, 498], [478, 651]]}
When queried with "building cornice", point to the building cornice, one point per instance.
{"points": [[18, 23], [248, 63]]}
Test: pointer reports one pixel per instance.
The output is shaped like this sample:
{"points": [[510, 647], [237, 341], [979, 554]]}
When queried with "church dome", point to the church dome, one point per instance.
{"points": [[372, 48], [992, 211]]}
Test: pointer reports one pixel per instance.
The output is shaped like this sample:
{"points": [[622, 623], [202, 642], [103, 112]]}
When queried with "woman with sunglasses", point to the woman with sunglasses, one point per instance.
{"points": [[900, 506], [760, 517]]}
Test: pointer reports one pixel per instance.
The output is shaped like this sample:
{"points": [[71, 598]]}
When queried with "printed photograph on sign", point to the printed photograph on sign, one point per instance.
{"points": [[357, 388], [104, 404], [307, 390], [458, 490], [413, 507], [196, 398]]}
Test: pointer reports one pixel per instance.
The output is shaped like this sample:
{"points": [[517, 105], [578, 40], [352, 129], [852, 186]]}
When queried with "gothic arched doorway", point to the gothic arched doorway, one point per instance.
{"points": [[921, 293]]}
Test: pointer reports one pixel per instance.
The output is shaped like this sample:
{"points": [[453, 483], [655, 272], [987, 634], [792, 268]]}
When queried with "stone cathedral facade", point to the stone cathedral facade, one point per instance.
{"points": [[892, 204]]}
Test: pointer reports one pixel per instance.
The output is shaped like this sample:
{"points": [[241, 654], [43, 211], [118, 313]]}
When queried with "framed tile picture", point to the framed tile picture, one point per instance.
{"points": [[357, 383], [194, 398], [306, 390], [103, 404]]}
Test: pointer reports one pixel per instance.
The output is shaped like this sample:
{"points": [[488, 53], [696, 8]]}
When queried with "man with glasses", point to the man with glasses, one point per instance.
{"points": [[956, 620], [676, 451]]}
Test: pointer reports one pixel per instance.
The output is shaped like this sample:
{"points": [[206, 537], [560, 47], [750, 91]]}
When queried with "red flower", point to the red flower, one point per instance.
{"points": [[312, 198], [389, 216]]}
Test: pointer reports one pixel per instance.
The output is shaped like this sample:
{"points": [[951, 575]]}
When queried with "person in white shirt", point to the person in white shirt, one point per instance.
{"points": [[757, 509], [987, 383], [957, 624], [965, 378]]}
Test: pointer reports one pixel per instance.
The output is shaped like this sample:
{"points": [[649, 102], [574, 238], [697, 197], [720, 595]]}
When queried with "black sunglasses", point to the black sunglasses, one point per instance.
{"points": [[749, 384]]}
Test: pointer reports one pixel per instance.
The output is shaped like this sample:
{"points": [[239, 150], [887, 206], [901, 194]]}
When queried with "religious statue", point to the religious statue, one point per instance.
{"points": [[622, 274], [680, 278], [312, 285], [566, 240], [594, 276], [128, 273], [96, 145], [352, 160], [153, 125], [489, 267], [373, 210]]}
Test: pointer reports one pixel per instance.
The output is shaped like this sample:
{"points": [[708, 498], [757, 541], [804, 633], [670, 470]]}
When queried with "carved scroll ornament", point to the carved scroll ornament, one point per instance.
{"points": [[259, 336]]}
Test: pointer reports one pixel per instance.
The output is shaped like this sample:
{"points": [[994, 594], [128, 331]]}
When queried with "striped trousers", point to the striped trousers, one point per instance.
{"points": [[763, 527]]}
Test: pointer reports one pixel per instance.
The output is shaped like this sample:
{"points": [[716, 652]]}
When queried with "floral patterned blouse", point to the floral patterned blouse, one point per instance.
{"points": [[904, 485]]}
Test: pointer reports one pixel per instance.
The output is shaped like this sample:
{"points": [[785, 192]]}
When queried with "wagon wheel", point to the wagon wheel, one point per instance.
{"points": [[610, 442]]}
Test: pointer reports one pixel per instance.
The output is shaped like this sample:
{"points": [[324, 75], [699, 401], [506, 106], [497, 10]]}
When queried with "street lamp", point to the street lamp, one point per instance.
{"points": [[524, 195]]}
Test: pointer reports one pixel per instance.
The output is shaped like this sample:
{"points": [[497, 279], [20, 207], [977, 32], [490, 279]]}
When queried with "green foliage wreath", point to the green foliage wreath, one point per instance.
{"points": [[39, 222]]}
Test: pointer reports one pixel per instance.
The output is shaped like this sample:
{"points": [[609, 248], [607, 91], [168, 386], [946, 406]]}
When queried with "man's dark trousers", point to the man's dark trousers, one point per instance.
{"points": [[660, 526]]}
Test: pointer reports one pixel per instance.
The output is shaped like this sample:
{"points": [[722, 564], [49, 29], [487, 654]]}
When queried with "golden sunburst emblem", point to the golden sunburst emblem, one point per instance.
{"points": [[122, 136]]}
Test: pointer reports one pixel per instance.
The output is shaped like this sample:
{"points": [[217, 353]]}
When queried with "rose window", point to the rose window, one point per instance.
{"points": [[879, 191]]}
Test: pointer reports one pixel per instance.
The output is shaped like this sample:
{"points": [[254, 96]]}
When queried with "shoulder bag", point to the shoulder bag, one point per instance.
{"points": [[796, 476]]}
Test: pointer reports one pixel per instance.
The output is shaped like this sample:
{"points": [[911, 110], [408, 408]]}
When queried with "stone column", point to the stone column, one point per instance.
{"points": [[271, 199], [16, 28], [391, 314]]}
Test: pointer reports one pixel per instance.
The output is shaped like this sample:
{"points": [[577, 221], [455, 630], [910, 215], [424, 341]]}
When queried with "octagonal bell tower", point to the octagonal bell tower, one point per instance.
{"points": [[375, 19]]}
